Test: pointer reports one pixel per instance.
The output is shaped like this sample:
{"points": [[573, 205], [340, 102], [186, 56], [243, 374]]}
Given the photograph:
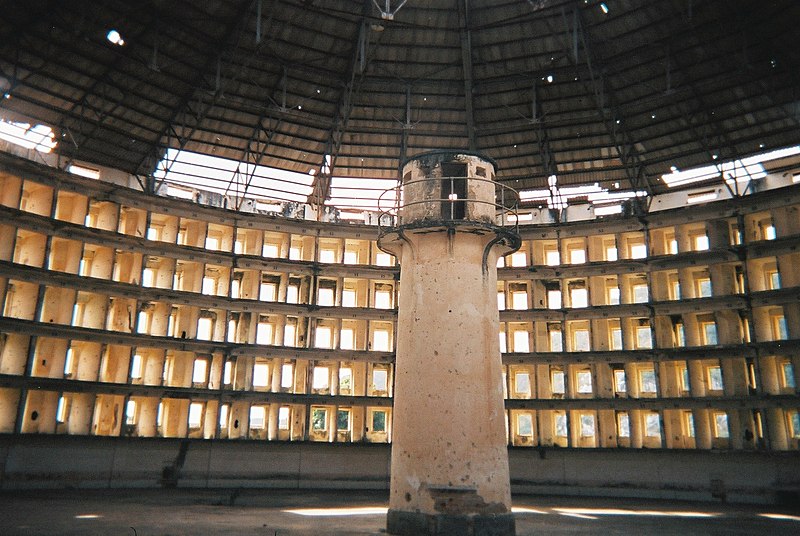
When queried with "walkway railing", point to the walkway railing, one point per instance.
{"points": [[451, 206]]}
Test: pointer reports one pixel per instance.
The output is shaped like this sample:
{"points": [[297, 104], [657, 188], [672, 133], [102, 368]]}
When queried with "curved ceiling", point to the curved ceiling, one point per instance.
{"points": [[608, 92]]}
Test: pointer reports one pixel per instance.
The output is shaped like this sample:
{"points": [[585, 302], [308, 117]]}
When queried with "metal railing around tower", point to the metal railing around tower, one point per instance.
{"points": [[452, 205]]}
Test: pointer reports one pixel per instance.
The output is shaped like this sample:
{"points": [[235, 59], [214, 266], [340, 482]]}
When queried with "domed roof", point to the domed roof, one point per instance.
{"points": [[612, 92]]}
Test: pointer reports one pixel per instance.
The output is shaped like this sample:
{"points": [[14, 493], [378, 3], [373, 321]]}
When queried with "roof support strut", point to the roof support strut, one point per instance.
{"points": [[187, 117], [542, 139], [358, 66], [466, 60], [631, 159]]}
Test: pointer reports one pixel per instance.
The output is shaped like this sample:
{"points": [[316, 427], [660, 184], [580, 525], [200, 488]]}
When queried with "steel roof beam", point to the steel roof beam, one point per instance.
{"points": [[184, 108], [358, 67], [604, 99], [466, 61], [542, 139]]}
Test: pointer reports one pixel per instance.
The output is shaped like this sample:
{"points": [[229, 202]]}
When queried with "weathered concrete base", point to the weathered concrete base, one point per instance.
{"points": [[400, 523]]}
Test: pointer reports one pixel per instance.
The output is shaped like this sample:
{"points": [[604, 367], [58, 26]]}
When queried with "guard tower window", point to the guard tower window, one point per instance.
{"points": [[454, 188]]}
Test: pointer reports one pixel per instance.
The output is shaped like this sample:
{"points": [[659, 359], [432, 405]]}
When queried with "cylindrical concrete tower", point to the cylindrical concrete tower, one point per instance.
{"points": [[449, 456]]}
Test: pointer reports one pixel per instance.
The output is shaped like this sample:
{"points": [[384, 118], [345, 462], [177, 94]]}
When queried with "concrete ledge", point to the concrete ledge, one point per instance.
{"points": [[79, 462], [709, 475]]}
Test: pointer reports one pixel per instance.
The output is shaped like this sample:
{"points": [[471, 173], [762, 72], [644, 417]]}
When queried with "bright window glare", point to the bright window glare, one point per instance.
{"points": [[336, 512], [626, 512], [38, 137], [223, 175], [579, 516], [526, 510], [781, 517]]}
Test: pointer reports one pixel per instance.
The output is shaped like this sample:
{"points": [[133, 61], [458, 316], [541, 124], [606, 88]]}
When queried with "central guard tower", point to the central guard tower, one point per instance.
{"points": [[449, 470]]}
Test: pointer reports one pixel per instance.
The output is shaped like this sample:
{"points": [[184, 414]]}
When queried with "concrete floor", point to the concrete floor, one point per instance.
{"points": [[316, 513]]}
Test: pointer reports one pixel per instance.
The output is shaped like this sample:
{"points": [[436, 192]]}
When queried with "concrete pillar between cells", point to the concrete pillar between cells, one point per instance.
{"points": [[7, 234], [718, 234], [776, 424], [210, 419], [88, 361], [723, 279], [148, 417], [153, 368], [672, 429], [789, 266], [81, 409], [272, 427], [239, 419], [769, 375], [9, 401], [749, 424], [636, 424], [40, 412], [791, 313], [607, 425], [14, 354], [449, 471], [786, 220], [702, 428]]}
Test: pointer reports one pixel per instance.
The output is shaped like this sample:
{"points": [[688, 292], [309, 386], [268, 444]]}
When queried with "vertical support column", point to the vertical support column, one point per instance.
{"points": [[449, 471]]}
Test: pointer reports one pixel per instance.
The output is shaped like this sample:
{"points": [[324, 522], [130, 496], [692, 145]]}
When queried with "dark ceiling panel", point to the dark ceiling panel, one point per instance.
{"points": [[667, 83]]}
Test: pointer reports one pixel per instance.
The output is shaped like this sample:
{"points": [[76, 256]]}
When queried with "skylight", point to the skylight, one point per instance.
{"points": [[84, 171], [183, 169], [38, 137], [534, 195], [225, 176], [740, 170], [362, 193], [559, 197]]}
